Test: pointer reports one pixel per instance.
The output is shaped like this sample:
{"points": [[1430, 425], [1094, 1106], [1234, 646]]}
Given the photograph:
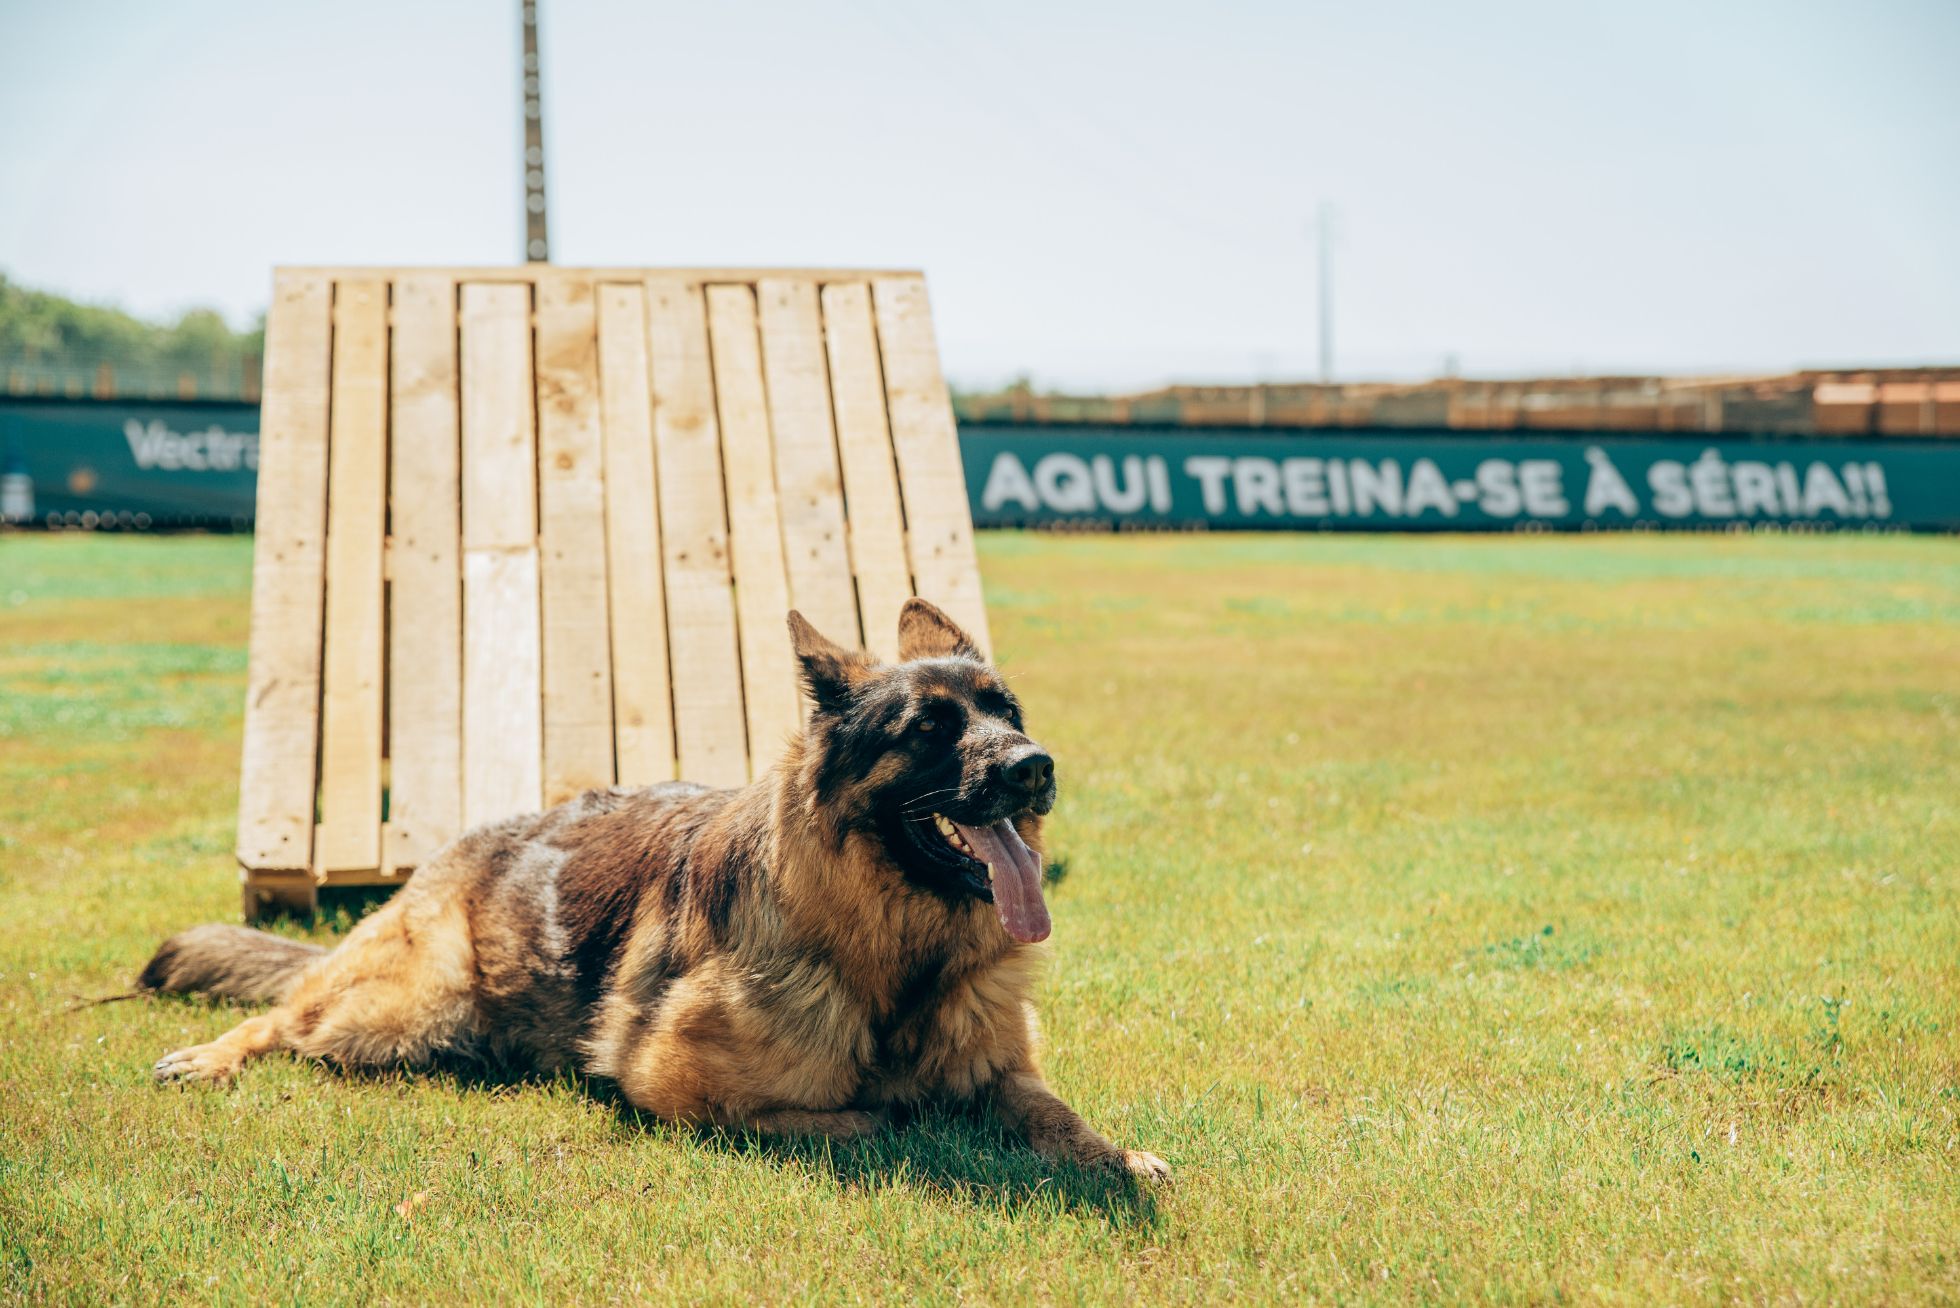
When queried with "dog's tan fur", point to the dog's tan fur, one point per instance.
{"points": [[753, 959]]}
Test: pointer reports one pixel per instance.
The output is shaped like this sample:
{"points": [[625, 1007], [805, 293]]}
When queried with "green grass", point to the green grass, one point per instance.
{"points": [[1474, 920]]}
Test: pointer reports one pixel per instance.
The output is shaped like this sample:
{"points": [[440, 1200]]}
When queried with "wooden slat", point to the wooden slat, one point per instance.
{"points": [[425, 593], [864, 447], [282, 708], [350, 707], [808, 482], [755, 528], [709, 728], [501, 734], [643, 705], [499, 439], [502, 724], [939, 524], [578, 735], [388, 874]]}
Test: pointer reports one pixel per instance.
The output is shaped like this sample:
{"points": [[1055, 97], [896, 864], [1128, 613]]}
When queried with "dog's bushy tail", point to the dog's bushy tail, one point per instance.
{"points": [[230, 962]]}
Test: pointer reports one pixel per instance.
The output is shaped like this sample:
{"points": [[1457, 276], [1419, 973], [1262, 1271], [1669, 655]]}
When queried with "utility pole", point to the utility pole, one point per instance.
{"points": [[537, 245], [1324, 232]]}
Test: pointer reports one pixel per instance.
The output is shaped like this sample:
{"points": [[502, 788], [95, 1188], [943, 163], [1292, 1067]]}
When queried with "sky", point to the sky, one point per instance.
{"points": [[1102, 195]]}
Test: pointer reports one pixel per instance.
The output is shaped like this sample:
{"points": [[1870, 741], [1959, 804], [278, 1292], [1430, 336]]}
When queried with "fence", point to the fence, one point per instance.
{"points": [[1887, 402], [104, 379]]}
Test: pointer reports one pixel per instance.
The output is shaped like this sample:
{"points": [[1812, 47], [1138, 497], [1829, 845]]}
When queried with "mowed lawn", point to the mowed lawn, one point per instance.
{"points": [[1502, 919]]}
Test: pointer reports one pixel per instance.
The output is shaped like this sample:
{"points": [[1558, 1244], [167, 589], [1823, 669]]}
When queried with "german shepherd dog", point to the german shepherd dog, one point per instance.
{"points": [[855, 932]]}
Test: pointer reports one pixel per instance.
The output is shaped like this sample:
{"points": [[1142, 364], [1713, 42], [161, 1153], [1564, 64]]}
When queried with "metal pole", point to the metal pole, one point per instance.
{"points": [[537, 244]]}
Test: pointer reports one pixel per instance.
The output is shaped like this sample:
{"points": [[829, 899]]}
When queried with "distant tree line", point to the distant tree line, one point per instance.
{"points": [[45, 332]]}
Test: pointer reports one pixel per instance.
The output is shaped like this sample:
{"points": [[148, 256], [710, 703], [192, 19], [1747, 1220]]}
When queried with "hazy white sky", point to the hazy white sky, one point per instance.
{"points": [[1103, 194]]}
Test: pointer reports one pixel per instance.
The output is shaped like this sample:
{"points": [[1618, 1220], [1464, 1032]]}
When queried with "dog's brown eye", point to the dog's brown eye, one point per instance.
{"points": [[938, 720]]}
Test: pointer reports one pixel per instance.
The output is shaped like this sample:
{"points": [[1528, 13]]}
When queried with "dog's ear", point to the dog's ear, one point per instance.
{"points": [[925, 632], [829, 670]]}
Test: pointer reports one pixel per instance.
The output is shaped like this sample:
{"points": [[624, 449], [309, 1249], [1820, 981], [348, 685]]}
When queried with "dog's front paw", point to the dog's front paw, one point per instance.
{"points": [[1143, 1166], [1133, 1163], [210, 1063]]}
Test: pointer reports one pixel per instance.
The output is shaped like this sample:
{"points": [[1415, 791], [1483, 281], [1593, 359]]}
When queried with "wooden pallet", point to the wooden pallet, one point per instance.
{"points": [[526, 531]]}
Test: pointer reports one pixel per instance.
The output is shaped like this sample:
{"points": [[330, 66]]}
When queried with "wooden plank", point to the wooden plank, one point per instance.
{"points": [[350, 709], [709, 727], [939, 523], [501, 729], [282, 706], [499, 439], [578, 733], [385, 876], [755, 529], [502, 683], [425, 593], [643, 703], [808, 482], [864, 447]]}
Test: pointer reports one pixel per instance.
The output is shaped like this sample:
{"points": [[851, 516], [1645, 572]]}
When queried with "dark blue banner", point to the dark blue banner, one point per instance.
{"points": [[134, 464], [1420, 481]]}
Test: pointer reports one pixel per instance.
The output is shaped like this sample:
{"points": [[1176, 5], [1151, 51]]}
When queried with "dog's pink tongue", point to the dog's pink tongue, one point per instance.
{"points": [[1017, 879]]}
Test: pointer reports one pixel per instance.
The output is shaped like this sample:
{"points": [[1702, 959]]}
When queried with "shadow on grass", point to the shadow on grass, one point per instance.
{"points": [[952, 1152], [956, 1156]]}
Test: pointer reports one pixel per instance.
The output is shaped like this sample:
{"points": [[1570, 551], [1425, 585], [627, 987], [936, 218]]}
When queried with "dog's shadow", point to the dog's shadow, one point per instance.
{"points": [[947, 1152], [956, 1156]]}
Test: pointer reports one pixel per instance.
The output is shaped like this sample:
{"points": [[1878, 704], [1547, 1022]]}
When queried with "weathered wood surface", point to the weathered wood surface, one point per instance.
{"points": [[524, 531]]}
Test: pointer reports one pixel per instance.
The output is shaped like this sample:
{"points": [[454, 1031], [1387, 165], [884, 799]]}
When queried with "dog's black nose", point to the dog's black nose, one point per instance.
{"points": [[1032, 772]]}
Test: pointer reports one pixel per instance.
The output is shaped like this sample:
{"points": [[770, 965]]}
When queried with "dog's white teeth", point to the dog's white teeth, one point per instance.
{"points": [[952, 833]]}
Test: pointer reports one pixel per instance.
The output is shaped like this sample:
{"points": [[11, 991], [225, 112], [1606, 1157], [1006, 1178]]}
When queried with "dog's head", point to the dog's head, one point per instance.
{"points": [[930, 758]]}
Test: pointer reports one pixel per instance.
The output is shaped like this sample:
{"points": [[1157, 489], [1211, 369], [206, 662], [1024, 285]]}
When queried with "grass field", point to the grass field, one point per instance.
{"points": [[1483, 920]]}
